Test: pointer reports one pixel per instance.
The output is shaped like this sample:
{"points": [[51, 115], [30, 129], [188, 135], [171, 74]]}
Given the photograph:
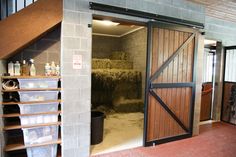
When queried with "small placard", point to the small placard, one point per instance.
{"points": [[77, 61]]}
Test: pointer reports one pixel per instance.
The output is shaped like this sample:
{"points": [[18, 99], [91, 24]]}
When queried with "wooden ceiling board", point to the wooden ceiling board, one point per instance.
{"points": [[24, 27], [221, 9]]}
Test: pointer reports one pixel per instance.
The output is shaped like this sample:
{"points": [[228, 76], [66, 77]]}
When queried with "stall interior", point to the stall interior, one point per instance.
{"points": [[118, 81]]}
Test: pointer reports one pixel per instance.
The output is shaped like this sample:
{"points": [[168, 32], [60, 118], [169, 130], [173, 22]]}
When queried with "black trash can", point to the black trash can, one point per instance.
{"points": [[97, 124]]}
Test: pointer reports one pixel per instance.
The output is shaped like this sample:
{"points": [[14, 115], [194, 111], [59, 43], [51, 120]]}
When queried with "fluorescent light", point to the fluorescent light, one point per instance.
{"points": [[107, 22]]}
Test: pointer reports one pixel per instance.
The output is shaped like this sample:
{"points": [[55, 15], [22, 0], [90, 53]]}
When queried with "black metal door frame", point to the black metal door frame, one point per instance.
{"points": [[150, 86], [223, 91]]}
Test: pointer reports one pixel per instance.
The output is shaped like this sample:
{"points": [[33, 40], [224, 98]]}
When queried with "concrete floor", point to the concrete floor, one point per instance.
{"points": [[121, 131], [215, 140]]}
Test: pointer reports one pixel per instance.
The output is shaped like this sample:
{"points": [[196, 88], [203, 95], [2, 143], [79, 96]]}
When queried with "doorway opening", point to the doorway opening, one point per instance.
{"points": [[208, 81], [228, 112], [118, 81]]}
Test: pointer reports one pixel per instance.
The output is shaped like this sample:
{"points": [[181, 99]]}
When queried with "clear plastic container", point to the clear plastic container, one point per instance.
{"points": [[38, 119], [44, 151], [38, 108], [38, 83], [39, 135], [26, 96]]}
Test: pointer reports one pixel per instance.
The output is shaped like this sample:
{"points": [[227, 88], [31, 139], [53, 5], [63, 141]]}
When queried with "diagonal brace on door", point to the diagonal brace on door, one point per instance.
{"points": [[168, 110], [160, 70]]}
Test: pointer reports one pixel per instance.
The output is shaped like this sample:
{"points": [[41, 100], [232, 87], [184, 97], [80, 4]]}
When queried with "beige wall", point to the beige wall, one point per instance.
{"points": [[135, 44]]}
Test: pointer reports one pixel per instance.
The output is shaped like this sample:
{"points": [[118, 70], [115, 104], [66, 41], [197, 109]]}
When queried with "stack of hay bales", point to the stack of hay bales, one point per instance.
{"points": [[114, 79]]}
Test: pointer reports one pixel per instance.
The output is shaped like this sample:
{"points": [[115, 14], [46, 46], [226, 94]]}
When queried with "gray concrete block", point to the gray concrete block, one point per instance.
{"points": [[82, 5], [68, 30], [69, 5], [82, 151], [70, 142], [85, 18], [71, 43], [69, 152], [71, 17], [82, 31], [85, 117]]}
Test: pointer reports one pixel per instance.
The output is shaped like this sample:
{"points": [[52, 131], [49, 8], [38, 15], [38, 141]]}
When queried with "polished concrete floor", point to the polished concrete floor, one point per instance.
{"points": [[215, 140], [121, 131]]}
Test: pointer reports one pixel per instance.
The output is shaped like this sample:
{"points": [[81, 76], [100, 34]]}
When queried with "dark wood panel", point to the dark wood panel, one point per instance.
{"points": [[26, 26], [206, 102], [160, 123], [226, 102]]}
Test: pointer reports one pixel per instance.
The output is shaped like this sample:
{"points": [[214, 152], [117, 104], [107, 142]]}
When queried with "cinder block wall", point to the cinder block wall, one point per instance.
{"points": [[103, 46], [135, 44], [45, 50], [76, 39]]}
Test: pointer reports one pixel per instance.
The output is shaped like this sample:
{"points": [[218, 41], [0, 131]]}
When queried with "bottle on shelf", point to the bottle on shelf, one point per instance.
{"points": [[17, 68], [47, 69], [24, 68], [57, 70], [53, 69], [11, 68], [32, 68]]}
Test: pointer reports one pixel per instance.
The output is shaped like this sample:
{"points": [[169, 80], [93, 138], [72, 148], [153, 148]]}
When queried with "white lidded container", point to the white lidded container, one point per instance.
{"points": [[38, 108], [43, 151], [39, 135], [27, 96], [38, 83], [38, 119]]}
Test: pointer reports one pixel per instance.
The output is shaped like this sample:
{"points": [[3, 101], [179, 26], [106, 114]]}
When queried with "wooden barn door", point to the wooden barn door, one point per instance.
{"points": [[170, 84]]}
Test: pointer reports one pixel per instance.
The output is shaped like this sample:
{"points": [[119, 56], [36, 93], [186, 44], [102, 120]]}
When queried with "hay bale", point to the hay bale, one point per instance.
{"points": [[109, 78], [101, 63], [119, 55], [121, 64], [129, 105], [111, 84]]}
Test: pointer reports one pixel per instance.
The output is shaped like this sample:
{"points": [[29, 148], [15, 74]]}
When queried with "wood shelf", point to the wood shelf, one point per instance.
{"points": [[30, 102], [14, 127], [19, 146], [28, 77], [32, 114], [33, 89]]}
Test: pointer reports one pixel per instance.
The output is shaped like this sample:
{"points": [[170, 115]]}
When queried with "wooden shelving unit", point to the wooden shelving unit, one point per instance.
{"points": [[28, 77], [19, 146], [13, 124], [18, 126], [30, 102], [33, 89], [33, 114]]}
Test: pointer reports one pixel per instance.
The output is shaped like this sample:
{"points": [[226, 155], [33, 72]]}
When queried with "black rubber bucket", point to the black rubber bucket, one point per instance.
{"points": [[97, 124]]}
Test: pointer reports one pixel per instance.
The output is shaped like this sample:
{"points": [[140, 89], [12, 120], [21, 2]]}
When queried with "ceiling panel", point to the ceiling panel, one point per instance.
{"points": [[222, 9]]}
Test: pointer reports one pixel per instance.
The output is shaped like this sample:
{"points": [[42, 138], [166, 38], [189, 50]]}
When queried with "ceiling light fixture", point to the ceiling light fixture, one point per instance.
{"points": [[107, 22], [110, 23]]}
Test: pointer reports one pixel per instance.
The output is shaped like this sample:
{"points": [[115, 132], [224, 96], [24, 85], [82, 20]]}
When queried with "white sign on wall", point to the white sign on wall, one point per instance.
{"points": [[77, 61]]}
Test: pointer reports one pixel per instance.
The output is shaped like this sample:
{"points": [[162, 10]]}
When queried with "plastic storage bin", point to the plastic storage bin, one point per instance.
{"points": [[38, 119], [26, 96], [39, 135], [38, 83], [44, 151], [38, 108]]}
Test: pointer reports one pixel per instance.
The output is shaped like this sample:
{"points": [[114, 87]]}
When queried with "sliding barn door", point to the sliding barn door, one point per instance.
{"points": [[170, 84]]}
